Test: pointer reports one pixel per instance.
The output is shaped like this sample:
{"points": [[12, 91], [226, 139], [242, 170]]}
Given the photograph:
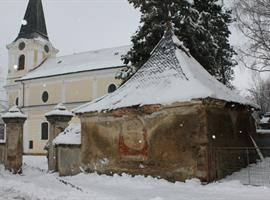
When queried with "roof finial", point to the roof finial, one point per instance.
{"points": [[169, 14], [169, 25]]}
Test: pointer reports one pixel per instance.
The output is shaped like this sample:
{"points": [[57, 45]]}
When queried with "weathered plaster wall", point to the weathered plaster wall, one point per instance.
{"points": [[175, 143], [68, 157], [169, 143]]}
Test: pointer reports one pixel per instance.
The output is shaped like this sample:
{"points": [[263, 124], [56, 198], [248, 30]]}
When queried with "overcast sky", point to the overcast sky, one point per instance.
{"points": [[73, 25], [81, 25]]}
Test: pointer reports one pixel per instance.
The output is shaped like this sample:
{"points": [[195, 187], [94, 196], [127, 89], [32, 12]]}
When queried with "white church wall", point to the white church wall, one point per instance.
{"points": [[34, 53], [72, 90]]}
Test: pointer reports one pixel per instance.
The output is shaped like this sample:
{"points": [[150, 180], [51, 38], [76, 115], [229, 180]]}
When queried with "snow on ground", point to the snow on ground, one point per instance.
{"points": [[36, 184]]}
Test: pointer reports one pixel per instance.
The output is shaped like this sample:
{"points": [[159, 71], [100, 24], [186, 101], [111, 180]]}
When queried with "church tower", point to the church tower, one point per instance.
{"points": [[29, 50], [32, 45]]}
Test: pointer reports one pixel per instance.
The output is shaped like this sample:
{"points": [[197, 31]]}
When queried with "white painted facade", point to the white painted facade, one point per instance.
{"points": [[38, 80], [71, 89]]}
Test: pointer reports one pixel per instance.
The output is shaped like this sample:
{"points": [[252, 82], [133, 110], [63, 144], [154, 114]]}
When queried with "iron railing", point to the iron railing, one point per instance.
{"points": [[243, 164]]}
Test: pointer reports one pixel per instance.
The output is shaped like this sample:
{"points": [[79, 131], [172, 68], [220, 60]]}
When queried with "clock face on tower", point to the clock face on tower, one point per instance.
{"points": [[21, 46], [46, 49]]}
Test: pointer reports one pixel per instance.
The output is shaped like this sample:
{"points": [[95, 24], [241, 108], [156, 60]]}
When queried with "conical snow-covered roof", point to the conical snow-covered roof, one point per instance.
{"points": [[59, 110], [34, 22], [14, 112], [170, 75]]}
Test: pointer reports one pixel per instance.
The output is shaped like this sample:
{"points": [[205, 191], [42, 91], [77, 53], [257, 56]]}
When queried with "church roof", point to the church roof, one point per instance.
{"points": [[81, 62], [34, 24], [170, 75], [70, 136]]}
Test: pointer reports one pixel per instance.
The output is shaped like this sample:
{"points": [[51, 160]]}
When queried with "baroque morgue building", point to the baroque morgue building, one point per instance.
{"points": [[168, 120], [38, 79]]}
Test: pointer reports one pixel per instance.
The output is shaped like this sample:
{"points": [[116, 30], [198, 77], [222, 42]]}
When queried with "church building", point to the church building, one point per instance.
{"points": [[38, 79]]}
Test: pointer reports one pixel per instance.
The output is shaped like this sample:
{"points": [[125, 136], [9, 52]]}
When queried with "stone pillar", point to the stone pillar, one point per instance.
{"points": [[58, 119], [14, 120]]}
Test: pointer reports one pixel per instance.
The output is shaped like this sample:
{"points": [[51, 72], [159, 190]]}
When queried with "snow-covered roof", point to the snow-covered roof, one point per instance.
{"points": [[86, 61], [267, 114], [14, 112], [265, 120], [170, 75], [71, 136], [59, 110], [263, 131]]}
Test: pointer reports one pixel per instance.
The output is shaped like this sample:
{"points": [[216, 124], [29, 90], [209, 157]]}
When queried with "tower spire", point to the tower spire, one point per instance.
{"points": [[34, 24]]}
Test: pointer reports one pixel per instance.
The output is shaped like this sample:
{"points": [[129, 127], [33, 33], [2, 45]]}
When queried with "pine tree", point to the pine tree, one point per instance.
{"points": [[201, 24]]}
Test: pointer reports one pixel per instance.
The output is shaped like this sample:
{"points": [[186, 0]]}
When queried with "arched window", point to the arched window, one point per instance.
{"points": [[31, 144], [112, 88], [17, 101], [44, 131], [21, 62]]}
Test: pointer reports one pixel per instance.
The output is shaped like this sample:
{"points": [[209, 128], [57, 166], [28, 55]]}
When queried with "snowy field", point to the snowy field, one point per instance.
{"points": [[36, 184]]}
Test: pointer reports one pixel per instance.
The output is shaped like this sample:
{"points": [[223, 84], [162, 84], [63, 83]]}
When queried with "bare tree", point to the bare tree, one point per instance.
{"points": [[260, 92], [253, 17]]}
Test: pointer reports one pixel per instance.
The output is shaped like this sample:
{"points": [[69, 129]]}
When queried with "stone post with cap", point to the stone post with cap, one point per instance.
{"points": [[14, 120], [58, 118]]}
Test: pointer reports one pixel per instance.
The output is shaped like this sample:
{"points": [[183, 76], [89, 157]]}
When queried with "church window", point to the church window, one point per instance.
{"points": [[45, 96], [112, 88], [2, 132], [21, 62], [46, 48], [21, 46], [31, 145], [17, 101], [44, 131]]}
